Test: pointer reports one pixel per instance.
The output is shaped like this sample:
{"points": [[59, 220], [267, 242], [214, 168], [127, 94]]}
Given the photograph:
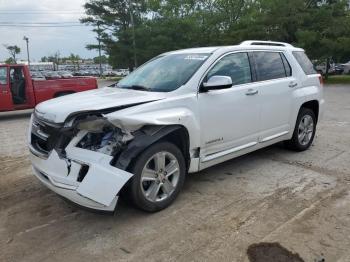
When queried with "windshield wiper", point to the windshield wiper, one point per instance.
{"points": [[136, 87]]}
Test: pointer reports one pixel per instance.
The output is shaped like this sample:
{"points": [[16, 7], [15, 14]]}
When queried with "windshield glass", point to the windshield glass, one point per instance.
{"points": [[164, 73]]}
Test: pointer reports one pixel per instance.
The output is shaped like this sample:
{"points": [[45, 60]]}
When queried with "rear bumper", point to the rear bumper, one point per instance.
{"points": [[84, 177]]}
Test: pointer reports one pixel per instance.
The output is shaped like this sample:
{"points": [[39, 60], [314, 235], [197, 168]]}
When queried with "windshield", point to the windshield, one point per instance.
{"points": [[164, 73]]}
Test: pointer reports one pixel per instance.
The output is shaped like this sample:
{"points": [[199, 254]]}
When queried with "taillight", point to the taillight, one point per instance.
{"points": [[321, 79]]}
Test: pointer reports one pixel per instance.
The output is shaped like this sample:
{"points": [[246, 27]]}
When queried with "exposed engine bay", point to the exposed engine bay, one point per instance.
{"points": [[103, 137]]}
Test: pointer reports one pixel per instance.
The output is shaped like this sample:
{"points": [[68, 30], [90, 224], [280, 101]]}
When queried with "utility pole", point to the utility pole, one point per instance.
{"points": [[27, 41], [99, 47], [131, 11]]}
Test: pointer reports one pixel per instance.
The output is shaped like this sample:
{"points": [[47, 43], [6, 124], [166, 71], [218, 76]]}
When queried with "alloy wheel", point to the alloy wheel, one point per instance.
{"points": [[305, 130], [160, 176]]}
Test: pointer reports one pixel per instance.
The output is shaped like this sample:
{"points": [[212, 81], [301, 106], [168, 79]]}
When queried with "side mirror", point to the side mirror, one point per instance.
{"points": [[217, 82]]}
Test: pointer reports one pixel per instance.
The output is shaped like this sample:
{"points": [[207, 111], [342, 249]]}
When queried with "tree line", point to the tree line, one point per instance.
{"points": [[131, 32]]}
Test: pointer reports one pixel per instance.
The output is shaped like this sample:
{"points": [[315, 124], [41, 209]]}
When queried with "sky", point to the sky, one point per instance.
{"points": [[44, 41]]}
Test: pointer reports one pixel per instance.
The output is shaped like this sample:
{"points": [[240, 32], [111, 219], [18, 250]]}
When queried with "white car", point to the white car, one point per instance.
{"points": [[322, 68], [346, 67], [179, 113]]}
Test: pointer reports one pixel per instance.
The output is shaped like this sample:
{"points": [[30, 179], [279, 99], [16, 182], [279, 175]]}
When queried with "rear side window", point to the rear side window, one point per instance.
{"points": [[3, 75], [235, 66], [304, 62], [268, 65]]}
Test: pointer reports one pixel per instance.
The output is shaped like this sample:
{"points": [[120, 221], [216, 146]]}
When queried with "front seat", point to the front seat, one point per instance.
{"points": [[18, 89]]}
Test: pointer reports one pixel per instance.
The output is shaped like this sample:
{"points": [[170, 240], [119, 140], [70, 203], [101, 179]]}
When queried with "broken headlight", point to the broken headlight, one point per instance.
{"points": [[102, 136]]}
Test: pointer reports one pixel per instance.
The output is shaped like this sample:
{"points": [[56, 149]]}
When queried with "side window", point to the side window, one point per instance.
{"points": [[3, 75], [304, 62], [268, 65], [286, 65], [235, 66], [16, 73]]}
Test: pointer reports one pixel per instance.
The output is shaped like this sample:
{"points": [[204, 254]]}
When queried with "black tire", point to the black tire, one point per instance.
{"points": [[135, 191], [294, 143]]}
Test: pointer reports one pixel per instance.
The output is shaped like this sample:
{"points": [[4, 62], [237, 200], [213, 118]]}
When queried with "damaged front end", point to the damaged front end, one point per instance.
{"points": [[77, 159]]}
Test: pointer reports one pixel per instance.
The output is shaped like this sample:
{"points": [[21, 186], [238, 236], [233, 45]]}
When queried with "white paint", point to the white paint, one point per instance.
{"points": [[223, 123]]}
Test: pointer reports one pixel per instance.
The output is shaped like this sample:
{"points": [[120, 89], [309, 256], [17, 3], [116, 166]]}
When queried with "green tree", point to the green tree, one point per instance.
{"points": [[13, 50], [321, 27], [104, 59], [325, 33], [44, 59], [54, 58], [9, 61], [114, 22], [75, 60]]}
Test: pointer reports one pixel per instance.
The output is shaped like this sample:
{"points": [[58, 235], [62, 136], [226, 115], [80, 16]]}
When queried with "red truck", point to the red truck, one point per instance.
{"points": [[19, 91]]}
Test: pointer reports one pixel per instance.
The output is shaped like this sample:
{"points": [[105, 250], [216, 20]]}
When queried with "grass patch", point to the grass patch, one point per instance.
{"points": [[339, 79]]}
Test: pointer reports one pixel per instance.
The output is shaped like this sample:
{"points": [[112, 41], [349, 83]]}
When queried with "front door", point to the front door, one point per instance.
{"points": [[229, 118], [5, 93]]}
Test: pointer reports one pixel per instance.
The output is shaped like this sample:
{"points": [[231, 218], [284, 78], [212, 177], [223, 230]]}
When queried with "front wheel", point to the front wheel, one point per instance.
{"points": [[304, 131], [159, 174]]}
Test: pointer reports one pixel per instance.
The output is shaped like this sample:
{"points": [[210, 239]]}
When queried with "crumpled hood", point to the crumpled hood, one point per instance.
{"points": [[58, 109]]}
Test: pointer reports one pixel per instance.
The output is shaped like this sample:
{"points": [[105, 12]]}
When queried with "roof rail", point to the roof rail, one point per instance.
{"points": [[268, 43]]}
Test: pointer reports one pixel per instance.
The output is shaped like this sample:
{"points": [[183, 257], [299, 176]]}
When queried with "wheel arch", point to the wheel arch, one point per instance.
{"points": [[147, 136], [312, 105]]}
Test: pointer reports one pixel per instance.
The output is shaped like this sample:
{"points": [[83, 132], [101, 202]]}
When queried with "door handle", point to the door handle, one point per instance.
{"points": [[251, 92], [292, 84]]}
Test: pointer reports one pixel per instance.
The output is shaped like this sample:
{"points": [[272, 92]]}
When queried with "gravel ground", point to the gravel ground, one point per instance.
{"points": [[299, 200]]}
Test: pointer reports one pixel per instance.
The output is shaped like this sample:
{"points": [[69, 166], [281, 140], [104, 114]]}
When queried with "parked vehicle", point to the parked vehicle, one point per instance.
{"points": [[109, 73], [18, 90], [321, 68], [65, 74], [51, 75], [346, 68], [118, 72], [121, 72], [179, 113], [339, 69], [37, 75]]}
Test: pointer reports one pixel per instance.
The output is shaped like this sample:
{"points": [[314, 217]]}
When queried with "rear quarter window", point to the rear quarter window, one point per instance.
{"points": [[268, 65], [304, 62], [286, 65], [3, 75]]}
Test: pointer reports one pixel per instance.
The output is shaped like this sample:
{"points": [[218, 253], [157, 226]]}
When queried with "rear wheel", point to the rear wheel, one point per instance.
{"points": [[159, 173], [304, 131]]}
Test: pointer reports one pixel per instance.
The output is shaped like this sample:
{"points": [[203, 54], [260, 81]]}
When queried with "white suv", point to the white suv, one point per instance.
{"points": [[179, 113]]}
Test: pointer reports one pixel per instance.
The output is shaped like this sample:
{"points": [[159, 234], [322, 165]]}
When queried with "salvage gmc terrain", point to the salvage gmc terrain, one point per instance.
{"points": [[179, 113]]}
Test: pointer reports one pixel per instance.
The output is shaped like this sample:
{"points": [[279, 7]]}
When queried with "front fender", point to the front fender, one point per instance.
{"points": [[140, 142], [177, 116]]}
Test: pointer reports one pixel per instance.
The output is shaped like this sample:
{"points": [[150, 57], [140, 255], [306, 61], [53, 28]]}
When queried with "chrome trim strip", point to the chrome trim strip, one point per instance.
{"points": [[227, 152], [274, 136]]}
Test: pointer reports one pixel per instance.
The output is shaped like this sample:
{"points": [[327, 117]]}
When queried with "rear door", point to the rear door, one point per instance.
{"points": [[276, 86], [5, 94]]}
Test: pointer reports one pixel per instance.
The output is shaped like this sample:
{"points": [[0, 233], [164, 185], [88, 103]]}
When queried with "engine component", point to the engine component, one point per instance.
{"points": [[102, 136]]}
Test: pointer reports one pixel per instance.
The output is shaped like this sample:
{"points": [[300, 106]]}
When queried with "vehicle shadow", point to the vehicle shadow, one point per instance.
{"points": [[16, 114], [216, 173]]}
